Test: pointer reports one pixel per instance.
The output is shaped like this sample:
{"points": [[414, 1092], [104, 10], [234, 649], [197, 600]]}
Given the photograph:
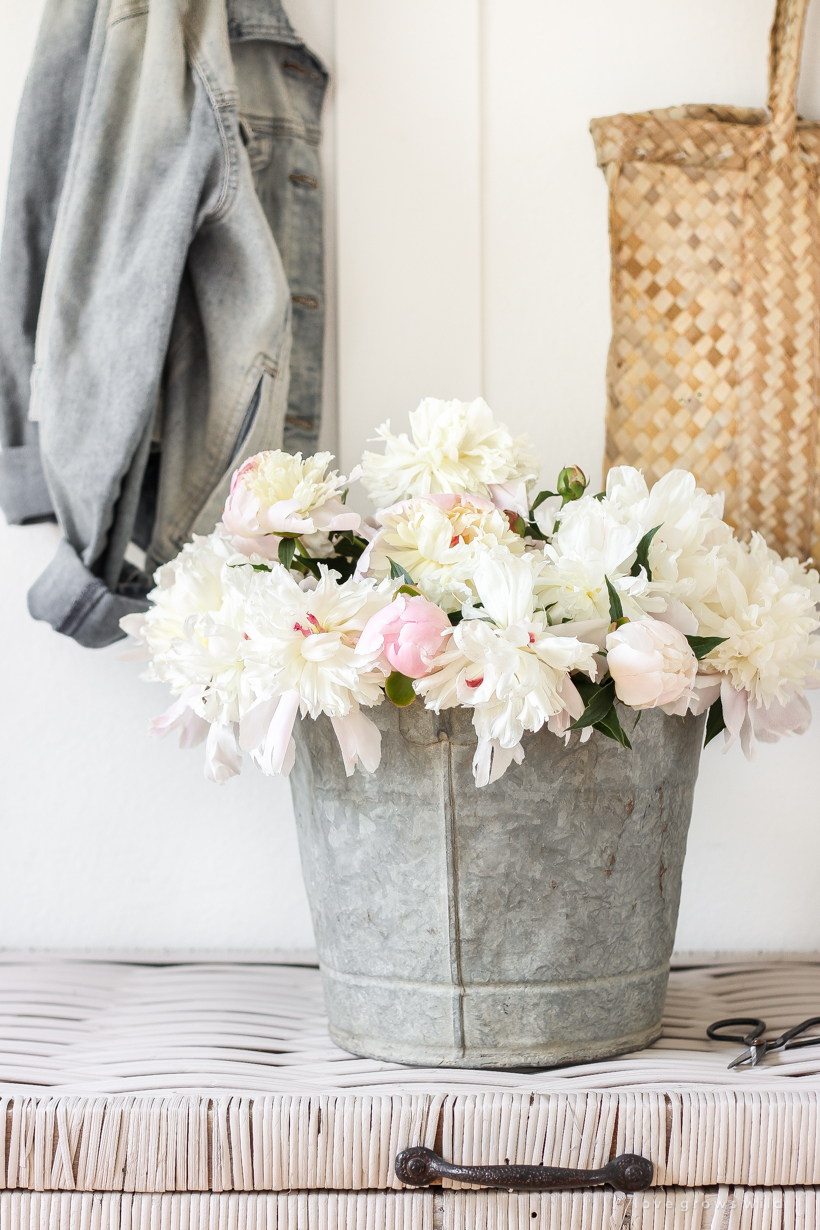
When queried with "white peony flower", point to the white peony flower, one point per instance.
{"points": [[765, 608], [438, 540], [300, 657], [190, 585], [589, 546], [750, 721], [682, 554], [276, 493], [456, 447], [211, 654], [189, 593], [194, 631], [510, 668]]}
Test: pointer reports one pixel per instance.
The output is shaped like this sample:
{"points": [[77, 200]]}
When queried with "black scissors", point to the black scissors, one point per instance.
{"points": [[756, 1043]]}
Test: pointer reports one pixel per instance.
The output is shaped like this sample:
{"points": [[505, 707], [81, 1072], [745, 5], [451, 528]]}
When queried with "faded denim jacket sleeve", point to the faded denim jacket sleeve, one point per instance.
{"points": [[42, 141], [165, 315]]}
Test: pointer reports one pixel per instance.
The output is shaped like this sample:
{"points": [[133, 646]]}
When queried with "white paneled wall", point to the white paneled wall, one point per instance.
{"points": [[473, 257], [107, 838], [469, 222], [409, 221]]}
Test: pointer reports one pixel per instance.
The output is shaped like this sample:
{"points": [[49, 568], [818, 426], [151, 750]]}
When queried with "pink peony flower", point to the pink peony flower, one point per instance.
{"points": [[411, 633], [652, 664], [275, 493]]}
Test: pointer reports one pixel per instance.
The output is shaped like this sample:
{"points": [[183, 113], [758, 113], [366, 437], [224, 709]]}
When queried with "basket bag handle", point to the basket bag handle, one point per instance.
{"points": [[785, 44]]}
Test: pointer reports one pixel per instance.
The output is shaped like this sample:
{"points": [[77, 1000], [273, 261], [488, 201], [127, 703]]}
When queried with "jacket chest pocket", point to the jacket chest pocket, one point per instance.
{"points": [[258, 139]]}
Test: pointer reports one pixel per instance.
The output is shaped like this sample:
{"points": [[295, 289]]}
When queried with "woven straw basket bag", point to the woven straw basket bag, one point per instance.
{"points": [[715, 364]]}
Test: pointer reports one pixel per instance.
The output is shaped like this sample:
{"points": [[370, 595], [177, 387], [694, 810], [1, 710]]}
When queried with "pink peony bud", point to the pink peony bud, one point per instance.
{"points": [[651, 662], [410, 632]]}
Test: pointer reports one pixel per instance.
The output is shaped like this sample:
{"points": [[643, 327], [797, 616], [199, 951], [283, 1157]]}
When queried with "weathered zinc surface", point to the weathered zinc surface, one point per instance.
{"points": [[527, 923]]}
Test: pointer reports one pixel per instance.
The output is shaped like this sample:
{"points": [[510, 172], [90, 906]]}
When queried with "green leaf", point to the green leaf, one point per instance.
{"points": [[610, 725], [599, 495], [287, 547], [539, 499], [714, 722], [412, 590], [397, 571], [586, 688], [399, 689], [455, 618], [256, 567], [312, 565], [598, 699], [616, 611], [701, 645], [642, 560]]}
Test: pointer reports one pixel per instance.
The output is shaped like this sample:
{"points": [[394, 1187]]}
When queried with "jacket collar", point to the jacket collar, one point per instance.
{"points": [[251, 19]]}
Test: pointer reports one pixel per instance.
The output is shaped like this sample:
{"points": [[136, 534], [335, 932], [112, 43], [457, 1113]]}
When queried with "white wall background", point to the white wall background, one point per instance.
{"points": [[472, 258]]}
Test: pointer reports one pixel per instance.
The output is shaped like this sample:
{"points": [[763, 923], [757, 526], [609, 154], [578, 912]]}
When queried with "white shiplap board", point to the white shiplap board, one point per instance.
{"points": [[472, 257]]}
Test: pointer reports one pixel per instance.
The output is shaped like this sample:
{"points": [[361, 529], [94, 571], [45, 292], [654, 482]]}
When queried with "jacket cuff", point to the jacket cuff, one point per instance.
{"points": [[24, 495], [77, 603]]}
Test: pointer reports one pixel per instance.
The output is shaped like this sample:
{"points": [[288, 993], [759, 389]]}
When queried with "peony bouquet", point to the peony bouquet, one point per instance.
{"points": [[564, 609]]}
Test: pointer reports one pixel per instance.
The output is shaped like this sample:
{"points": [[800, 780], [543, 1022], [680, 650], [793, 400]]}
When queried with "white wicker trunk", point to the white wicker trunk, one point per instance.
{"points": [[210, 1097]]}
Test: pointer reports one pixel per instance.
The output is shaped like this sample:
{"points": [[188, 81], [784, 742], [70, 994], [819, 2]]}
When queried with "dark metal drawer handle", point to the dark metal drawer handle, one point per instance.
{"points": [[628, 1173]]}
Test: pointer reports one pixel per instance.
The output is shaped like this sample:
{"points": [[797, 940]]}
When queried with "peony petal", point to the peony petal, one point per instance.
{"points": [[735, 713], [254, 724], [334, 515], [193, 731], [678, 616], [223, 759], [275, 753], [177, 717], [364, 559], [266, 545], [482, 761], [779, 720], [360, 740], [511, 497], [491, 760], [705, 691], [277, 522], [374, 631], [140, 653], [591, 631], [546, 514], [639, 691], [243, 469], [573, 704], [134, 624], [241, 512]]}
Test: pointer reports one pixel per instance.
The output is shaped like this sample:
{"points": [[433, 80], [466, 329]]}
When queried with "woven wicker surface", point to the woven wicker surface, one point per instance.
{"points": [[667, 1209], [715, 362], [120, 1028], [219, 1078]]}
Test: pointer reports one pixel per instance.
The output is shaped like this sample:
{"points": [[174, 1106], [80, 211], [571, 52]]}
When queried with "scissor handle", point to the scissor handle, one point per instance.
{"points": [[759, 1028], [786, 1037]]}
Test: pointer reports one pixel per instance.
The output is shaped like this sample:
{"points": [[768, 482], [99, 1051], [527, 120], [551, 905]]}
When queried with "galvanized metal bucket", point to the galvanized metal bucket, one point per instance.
{"points": [[527, 923]]}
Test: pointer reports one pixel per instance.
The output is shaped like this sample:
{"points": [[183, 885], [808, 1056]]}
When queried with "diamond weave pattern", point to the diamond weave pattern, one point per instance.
{"points": [[714, 364]]}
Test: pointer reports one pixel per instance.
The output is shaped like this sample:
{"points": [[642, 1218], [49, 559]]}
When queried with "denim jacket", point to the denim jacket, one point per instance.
{"points": [[182, 291]]}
